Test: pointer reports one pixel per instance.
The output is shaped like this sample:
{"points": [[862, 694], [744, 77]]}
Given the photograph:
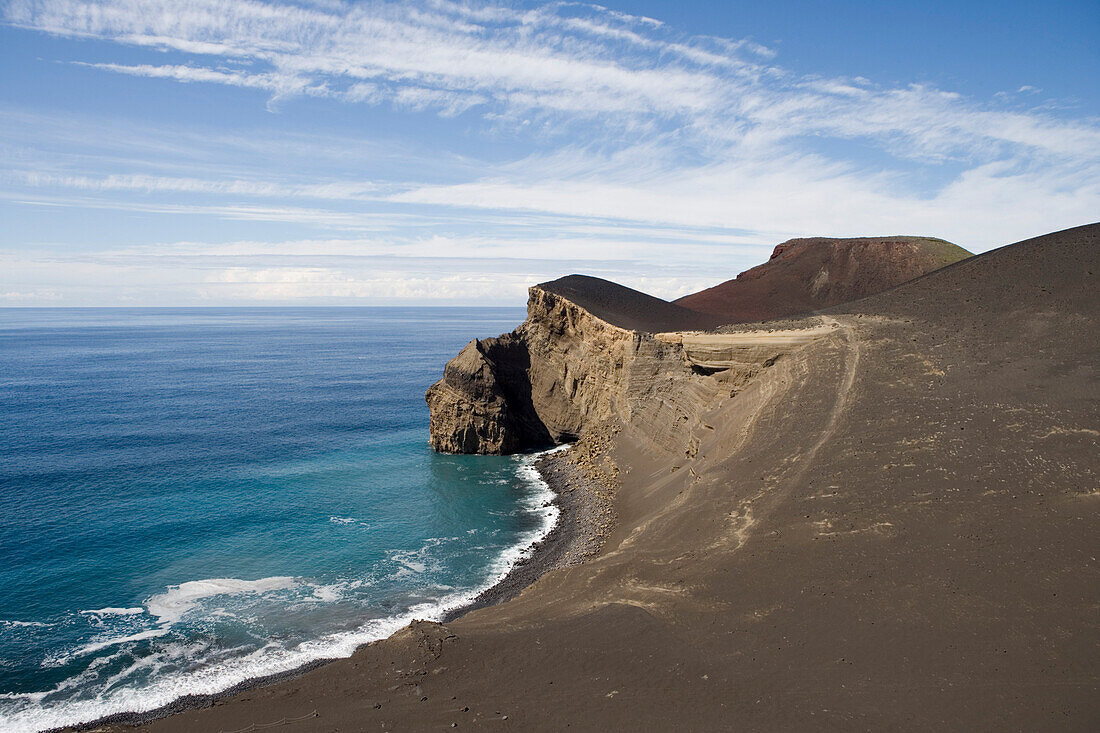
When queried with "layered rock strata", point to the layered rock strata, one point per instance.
{"points": [[565, 371]]}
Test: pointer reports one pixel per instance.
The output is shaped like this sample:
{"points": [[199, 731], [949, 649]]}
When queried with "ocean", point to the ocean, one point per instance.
{"points": [[192, 498]]}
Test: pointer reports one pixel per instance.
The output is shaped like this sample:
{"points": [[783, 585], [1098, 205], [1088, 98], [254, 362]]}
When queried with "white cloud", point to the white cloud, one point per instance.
{"points": [[778, 198], [560, 59], [340, 191], [428, 270], [316, 283], [33, 297], [638, 145]]}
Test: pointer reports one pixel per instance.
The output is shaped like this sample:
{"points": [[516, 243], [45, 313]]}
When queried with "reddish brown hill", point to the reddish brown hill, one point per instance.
{"points": [[805, 275]]}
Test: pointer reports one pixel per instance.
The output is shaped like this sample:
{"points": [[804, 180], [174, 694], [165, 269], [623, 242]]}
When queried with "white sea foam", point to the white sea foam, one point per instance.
{"points": [[89, 674], [328, 593], [114, 611], [418, 561], [171, 606], [24, 624], [332, 592], [95, 646], [33, 714]]}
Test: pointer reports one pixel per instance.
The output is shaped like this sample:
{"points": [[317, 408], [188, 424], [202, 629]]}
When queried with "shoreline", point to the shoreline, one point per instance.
{"points": [[852, 536], [575, 536]]}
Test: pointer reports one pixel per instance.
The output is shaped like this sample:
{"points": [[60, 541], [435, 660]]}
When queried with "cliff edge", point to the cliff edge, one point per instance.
{"points": [[566, 369], [595, 353]]}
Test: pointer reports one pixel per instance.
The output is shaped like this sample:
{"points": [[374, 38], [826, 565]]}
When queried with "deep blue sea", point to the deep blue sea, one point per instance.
{"points": [[190, 498]]}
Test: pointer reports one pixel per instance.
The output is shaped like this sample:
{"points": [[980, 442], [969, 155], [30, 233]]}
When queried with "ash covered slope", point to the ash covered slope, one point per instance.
{"points": [[1052, 277], [805, 275], [891, 528], [627, 308]]}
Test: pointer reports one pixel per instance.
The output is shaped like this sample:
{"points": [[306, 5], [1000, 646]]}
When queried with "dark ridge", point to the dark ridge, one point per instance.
{"points": [[1055, 274], [805, 275], [625, 307]]}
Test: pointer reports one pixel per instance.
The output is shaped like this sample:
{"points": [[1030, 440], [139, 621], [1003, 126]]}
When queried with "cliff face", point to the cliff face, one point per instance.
{"points": [[482, 404], [533, 387], [593, 352], [565, 371]]}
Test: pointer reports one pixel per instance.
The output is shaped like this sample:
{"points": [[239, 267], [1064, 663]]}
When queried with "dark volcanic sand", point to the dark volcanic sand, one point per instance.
{"points": [[894, 528], [576, 536]]}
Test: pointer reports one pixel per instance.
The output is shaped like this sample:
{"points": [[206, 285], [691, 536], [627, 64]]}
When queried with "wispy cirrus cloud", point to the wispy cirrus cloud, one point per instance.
{"points": [[618, 127], [513, 58], [564, 60], [280, 85], [343, 191]]}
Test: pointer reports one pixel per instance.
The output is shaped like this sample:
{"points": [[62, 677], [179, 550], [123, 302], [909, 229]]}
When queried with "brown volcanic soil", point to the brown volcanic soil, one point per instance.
{"points": [[805, 275], [892, 529], [627, 308]]}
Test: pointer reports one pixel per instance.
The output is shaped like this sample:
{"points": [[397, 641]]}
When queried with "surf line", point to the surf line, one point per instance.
{"points": [[247, 672]]}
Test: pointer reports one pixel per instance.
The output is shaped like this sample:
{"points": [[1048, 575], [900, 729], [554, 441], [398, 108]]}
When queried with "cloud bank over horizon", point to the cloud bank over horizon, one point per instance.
{"points": [[437, 151]]}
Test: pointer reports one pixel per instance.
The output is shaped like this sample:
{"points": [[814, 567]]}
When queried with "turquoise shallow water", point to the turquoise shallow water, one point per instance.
{"points": [[195, 497]]}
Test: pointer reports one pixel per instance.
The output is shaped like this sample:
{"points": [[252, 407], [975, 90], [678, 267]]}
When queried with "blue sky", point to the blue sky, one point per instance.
{"points": [[222, 152]]}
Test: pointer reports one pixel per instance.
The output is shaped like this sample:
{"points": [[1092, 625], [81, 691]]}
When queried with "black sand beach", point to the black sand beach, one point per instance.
{"points": [[576, 536]]}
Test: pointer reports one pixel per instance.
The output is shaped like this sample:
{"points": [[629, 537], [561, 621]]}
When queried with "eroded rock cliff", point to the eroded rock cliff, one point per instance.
{"points": [[565, 371]]}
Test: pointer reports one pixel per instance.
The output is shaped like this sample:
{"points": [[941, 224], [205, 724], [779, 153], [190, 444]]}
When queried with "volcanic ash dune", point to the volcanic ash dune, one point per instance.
{"points": [[883, 517]]}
